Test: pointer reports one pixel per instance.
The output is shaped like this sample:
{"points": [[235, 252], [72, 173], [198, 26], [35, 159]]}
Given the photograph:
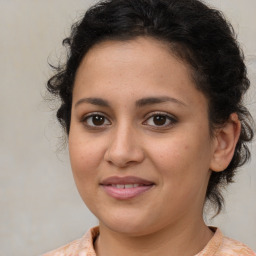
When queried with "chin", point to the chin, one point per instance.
{"points": [[129, 229], [122, 222], [131, 225]]}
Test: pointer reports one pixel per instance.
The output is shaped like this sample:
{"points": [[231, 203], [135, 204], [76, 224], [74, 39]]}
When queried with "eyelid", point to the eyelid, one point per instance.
{"points": [[84, 116], [171, 117], [162, 113], [91, 114]]}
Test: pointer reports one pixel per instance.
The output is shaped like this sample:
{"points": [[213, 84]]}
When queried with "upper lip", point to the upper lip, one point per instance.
{"points": [[125, 180]]}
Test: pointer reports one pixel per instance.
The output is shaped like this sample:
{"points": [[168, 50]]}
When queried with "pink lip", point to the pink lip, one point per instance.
{"points": [[125, 193], [126, 180]]}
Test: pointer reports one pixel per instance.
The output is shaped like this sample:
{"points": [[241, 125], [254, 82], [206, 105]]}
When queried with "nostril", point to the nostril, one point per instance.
{"points": [[122, 160]]}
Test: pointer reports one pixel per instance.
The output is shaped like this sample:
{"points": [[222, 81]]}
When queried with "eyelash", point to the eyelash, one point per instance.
{"points": [[95, 114], [102, 117], [170, 118]]}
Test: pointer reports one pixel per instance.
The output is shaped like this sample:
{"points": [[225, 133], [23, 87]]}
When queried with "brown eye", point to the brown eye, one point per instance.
{"points": [[160, 120], [96, 120]]}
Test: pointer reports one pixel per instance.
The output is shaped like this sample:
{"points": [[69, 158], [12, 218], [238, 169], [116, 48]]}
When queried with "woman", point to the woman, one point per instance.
{"points": [[152, 105]]}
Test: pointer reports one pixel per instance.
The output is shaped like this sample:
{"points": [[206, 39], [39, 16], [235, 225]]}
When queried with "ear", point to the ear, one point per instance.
{"points": [[225, 142]]}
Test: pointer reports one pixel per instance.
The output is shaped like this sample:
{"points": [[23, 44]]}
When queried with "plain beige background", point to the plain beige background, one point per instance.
{"points": [[40, 207]]}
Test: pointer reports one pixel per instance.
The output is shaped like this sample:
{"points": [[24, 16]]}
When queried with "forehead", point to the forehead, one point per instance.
{"points": [[143, 66]]}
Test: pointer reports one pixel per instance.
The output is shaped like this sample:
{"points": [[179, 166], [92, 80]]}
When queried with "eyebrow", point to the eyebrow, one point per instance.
{"points": [[156, 100], [139, 103], [93, 101]]}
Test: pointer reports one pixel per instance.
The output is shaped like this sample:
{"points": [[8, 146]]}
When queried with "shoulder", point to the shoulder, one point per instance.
{"points": [[220, 245], [82, 246], [232, 247]]}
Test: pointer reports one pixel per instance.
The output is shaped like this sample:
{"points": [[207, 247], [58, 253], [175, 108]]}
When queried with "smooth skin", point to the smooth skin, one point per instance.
{"points": [[136, 112]]}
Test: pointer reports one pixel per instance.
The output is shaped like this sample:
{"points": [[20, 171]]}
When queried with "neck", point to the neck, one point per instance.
{"points": [[186, 240]]}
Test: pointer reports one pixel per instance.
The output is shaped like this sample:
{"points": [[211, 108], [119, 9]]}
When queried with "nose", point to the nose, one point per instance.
{"points": [[124, 148]]}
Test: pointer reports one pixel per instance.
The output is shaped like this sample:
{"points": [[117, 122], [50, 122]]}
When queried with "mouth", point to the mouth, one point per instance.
{"points": [[124, 188]]}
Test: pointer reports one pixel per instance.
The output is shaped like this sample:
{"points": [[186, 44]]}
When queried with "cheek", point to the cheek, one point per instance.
{"points": [[181, 159], [170, 153], [85, 157]]}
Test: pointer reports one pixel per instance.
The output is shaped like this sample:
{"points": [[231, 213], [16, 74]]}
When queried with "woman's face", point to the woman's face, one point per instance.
{"points": [[139, 139]]}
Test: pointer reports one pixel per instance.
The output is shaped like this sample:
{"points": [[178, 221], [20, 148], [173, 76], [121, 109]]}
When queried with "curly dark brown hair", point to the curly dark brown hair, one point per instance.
{"points": [[197, 34]]}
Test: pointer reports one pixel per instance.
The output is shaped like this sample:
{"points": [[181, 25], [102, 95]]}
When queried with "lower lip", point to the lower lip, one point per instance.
{"points": [[125, 193]]}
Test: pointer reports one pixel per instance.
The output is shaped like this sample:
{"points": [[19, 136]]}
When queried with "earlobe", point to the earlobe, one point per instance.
{"points": [[226, 139]]}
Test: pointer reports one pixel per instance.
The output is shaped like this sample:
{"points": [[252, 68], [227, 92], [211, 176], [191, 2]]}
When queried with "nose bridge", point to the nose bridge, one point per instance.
{"points": [[121, 134], [124, 147]]}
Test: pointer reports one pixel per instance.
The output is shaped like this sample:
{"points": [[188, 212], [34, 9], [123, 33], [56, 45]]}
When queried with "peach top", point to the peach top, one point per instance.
{"points": [[219, 245]]}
